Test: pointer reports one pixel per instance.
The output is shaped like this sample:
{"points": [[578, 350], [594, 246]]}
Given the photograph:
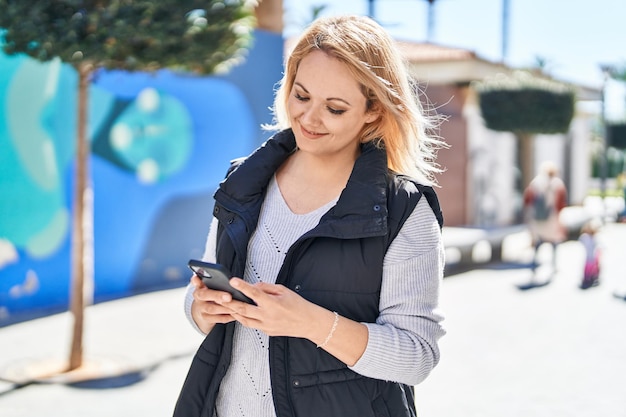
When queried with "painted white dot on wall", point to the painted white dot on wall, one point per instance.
{"points": [[121, 136], [8, 253], [148, 100], [148, 171]]}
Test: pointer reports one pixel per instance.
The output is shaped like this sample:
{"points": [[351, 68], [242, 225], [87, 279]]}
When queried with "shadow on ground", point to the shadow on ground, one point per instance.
{"points": [[119, 380], [452, 270]]}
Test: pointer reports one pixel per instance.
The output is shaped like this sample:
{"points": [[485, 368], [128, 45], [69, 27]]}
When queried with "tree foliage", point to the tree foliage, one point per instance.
{"points": [[201, 36], [619, 72], [525, 104]]}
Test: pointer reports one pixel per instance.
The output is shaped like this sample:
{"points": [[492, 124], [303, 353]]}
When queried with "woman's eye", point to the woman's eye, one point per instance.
{"points": [[331, 110], [335, 111]]}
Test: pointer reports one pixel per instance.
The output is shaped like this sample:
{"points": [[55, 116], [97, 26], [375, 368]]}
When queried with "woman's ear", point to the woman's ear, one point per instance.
{"points": [[373, 113], [371, 117]]}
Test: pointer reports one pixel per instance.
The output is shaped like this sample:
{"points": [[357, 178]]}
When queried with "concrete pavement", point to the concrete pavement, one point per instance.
{"points": [[553, 350], [142, 345]]}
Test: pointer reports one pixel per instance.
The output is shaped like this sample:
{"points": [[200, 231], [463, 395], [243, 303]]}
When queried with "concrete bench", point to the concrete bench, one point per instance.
{"points": [[468, 246]]}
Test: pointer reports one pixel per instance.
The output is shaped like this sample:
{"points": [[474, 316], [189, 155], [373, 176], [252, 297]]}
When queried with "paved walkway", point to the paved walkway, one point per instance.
{"points": [[553, 350], [146, 338]]}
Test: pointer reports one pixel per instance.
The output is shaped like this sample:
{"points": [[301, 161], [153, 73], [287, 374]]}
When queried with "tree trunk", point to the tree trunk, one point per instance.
{"points": [[269, 15], [81, 221], [525, 158]]}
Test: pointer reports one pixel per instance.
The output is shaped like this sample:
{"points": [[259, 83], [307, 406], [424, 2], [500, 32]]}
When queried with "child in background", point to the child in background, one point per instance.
{"points": [[589, 241]]}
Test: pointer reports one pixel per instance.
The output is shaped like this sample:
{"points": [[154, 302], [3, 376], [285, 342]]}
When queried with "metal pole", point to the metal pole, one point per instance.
{"points": [[431, 20], [505, 29], [603, 153], [370, 10], [606, 72]]}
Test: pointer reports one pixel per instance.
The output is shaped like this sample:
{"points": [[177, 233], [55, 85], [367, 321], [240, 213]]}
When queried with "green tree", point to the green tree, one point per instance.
{"points": [[619, 72], [317, 10], [526, 105], [198, 36]]}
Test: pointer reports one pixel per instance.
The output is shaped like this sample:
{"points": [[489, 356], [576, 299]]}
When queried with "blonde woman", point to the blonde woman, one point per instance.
{"points": [[332, 228]]}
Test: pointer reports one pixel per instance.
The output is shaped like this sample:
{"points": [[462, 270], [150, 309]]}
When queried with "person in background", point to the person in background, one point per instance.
{"points": [[333, 229], [544, 198], [591, 272]]}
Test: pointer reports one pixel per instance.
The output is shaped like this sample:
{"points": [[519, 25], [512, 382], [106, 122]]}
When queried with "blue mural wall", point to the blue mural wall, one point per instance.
{"points": [[160, 145]]}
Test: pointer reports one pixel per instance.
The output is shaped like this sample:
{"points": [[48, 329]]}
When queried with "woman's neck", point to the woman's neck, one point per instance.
{"points": [[308, 182]]}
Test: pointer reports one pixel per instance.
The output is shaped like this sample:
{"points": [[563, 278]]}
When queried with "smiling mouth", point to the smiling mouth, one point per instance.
{"points": [[310, 132]]}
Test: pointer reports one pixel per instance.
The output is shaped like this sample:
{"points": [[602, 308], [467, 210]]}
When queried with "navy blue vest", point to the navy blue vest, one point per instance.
{"points": [[351, 239]]}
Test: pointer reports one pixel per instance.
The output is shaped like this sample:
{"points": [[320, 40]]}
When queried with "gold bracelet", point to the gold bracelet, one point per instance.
{"points": [[332, 330]]}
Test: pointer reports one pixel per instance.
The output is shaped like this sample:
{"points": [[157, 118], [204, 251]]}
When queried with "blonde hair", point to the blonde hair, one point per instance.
{"points": [[372, 57]]}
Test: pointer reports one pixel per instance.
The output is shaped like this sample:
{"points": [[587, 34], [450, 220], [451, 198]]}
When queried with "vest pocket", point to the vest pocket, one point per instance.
{"points": [[336, 394], [325, 377]]}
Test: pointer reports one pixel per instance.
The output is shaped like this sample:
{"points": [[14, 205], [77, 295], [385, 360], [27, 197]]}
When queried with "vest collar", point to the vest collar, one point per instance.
{"points": [[361, 210]]}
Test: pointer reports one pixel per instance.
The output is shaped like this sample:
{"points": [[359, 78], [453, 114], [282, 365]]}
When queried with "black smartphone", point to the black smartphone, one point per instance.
{"points": [[216, 277]]}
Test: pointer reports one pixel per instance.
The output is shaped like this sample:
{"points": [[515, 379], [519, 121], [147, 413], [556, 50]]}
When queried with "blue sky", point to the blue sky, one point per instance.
{"points": [[573, 36]]}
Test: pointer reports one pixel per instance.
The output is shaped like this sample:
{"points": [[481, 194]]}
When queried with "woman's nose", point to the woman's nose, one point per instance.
{"points": [[311, 114]]}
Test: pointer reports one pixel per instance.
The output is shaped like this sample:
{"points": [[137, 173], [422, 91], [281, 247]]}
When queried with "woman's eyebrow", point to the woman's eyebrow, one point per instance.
{"points": [[328, 99]]}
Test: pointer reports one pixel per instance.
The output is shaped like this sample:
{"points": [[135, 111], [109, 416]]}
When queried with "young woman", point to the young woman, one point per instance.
{"points": [[327, 231]]}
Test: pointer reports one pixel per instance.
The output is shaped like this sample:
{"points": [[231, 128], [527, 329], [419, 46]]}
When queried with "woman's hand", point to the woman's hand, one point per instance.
{"points": [[206, 309], [282, 312], [279, 311]]}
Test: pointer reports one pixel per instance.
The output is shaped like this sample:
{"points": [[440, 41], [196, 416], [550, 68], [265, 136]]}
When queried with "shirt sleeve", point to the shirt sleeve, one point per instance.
{"points": [[209, 256], [403, 343]]}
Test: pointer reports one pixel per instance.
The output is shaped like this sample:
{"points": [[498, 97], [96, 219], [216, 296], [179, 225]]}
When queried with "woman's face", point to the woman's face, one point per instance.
{"points": [[326, 107]]}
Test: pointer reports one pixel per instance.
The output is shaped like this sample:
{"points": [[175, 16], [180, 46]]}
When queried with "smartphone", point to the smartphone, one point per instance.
{"points": [[216, 277]]}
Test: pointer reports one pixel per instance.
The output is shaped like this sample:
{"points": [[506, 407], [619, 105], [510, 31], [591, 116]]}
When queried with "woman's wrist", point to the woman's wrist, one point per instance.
{"points": [[191, 313], [331, 332], [326, 327]]}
